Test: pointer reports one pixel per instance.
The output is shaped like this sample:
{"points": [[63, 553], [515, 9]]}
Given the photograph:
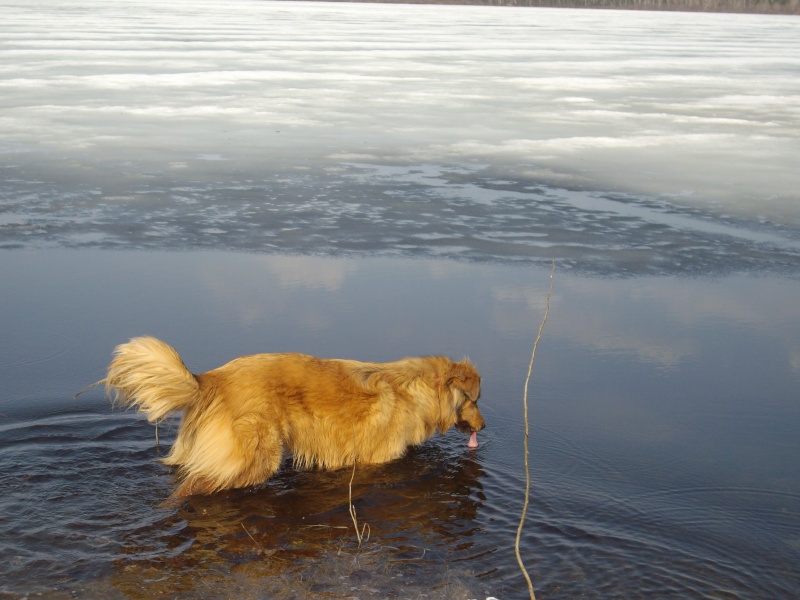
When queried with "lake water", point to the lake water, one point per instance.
{"points": [[375, 181]]}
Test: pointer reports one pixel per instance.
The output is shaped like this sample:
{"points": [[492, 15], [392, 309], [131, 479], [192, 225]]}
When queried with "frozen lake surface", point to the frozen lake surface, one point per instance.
{"points": [[611, 141], [373, 181]]}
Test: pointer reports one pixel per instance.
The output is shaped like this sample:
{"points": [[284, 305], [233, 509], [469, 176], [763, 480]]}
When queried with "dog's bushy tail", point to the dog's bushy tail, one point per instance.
{"points": [[149, 374]]}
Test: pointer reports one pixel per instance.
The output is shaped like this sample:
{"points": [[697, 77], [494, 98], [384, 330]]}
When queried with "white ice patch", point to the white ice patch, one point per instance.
{"points": [[175, 104]]}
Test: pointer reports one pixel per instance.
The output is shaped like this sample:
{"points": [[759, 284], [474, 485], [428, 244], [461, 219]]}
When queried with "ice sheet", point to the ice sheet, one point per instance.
{"points": [[612, 140]]}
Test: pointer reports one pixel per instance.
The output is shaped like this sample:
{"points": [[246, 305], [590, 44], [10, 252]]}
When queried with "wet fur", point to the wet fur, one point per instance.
{"points": [[240, 419]]}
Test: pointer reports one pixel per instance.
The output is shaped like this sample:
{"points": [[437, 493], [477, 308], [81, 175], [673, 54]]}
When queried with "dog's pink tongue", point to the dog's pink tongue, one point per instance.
{"points": [[473, 440]]}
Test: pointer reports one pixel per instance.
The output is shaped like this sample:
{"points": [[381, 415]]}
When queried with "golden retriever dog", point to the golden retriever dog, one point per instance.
{"points": [[240, 419]]}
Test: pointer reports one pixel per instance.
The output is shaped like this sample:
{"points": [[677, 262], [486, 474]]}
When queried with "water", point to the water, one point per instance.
{"points": [[369, 182], [664, 417]]}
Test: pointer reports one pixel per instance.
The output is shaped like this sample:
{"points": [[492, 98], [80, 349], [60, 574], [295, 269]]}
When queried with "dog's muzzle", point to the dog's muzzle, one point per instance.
{"points": [[465, 427]]}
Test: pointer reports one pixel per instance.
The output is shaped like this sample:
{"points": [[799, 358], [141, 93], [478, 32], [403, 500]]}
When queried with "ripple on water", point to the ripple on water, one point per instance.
{"points": [[84, 503], [583, 536], [84, 497], [64, 493]]}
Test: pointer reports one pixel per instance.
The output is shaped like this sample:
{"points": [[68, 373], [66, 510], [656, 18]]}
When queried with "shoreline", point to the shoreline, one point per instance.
{"points": [[764, 7]]}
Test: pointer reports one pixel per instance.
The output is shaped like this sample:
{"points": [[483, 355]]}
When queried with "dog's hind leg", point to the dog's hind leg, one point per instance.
{"points": [[193, 485], [246, 454], [260, 446]]}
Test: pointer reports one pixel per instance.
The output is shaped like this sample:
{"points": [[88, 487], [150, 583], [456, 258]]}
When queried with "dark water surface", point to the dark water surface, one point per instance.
{"points": [[664, 421]]}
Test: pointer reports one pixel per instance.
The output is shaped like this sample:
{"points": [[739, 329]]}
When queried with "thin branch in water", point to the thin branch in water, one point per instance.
{"points": [[359, 534], [88, 387], [251, 537], [527, 467], [261, 550]]}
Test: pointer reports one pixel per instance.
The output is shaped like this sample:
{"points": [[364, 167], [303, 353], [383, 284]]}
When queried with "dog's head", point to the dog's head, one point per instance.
{"points": [[463, 384]]}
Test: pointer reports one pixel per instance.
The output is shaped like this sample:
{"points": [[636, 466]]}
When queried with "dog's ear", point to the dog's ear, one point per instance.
{"points": [[464, 376]]}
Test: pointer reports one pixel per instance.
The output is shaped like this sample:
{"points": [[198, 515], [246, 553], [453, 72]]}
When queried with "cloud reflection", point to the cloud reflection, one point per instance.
{"points": [[664, 321]]}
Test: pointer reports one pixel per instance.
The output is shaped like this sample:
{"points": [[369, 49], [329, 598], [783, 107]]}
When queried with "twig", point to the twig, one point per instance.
{"points": [[251, 537], [359, 534], [527, 467], [261, 550], [88, 387]]}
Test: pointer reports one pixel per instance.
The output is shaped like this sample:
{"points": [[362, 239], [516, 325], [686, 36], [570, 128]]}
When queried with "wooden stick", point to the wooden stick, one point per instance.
{"points": [[88, 387], [359, 534], [527, 467]]}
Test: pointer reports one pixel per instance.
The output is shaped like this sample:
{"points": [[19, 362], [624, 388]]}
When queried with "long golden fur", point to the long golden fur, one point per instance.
{"points": [[239, 419]]}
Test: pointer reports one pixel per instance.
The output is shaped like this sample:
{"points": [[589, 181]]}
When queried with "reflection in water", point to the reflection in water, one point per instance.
{"points": [[417, 510], [85, 506]]}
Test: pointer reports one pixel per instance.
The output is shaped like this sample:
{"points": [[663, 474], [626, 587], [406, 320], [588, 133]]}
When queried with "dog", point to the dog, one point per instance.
{"points": [[240, 419]]}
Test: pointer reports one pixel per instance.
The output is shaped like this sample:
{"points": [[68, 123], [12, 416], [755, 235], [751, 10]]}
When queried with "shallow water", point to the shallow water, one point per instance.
{"points": [[663, 413], [364, 181]]}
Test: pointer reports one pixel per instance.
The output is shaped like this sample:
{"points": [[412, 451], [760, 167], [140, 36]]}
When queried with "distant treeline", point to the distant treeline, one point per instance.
{"points": [[782, 7]]}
